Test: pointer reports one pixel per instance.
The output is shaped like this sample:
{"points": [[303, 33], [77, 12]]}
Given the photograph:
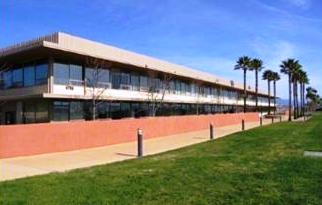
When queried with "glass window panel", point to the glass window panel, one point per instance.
{"points": [[183, 88], [60, 111], [151, 83], [76, 110], [178, 86], [116, 80], [61, 73], [7, 79], [172, 87], [29, 76], [1, 80], [135, 81], [188, 88], [125, 81], [104, 76], [75, 74], [125, 78], [41, 74], [90, 77], [103, 109], [158, 83], [17, 78], [143, 83], [29, 112], [42, 112], [135, 109], [125, 110], [115, 110]]}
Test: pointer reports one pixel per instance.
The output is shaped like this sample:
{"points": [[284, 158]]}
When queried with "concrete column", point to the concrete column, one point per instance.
{"points": [[50, 75]]}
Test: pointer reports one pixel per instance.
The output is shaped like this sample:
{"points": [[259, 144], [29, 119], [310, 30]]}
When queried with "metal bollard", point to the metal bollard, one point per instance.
{"points": [[211, 126], [261, 121], [140, 143], [280, 118], [243, 125]]}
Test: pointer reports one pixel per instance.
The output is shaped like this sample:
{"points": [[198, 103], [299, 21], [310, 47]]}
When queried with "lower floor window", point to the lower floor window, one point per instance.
{"points": [[64, 111], [60, 111], [35, 112]]}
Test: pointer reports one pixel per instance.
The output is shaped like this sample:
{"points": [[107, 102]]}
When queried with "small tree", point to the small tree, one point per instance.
{"points": [[95, 81], [313, 98], [156, 92]]}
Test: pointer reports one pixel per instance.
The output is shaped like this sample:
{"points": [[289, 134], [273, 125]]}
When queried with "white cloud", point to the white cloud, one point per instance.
{"points": [[272, 53], [305, 4]]}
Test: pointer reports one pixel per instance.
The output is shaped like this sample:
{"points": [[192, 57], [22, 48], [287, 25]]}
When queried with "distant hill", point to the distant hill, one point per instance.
{"points": [[282, 102]]}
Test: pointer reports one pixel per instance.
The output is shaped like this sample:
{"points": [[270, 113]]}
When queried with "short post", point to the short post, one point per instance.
{"points": [[140, 143], [280, 118], [243, 125], [272, 120], [261, 121], [211, 126]]}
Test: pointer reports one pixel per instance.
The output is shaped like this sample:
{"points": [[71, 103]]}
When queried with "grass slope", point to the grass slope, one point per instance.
{"points": [[260, 166]]}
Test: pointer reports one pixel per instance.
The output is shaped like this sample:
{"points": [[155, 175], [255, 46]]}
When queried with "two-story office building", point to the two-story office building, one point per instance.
{"points": [[59, 76]]}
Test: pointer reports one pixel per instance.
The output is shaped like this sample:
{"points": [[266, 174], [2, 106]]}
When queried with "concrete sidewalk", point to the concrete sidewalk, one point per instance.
{"points": [[20, 167]]}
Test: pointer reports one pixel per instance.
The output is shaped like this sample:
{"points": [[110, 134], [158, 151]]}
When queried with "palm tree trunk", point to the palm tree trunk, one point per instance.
{"points": [[297, 100], [294, 101], [289, 98], [256, 88], [274, 97], [269, 96], [302, 102], [245, 93]]}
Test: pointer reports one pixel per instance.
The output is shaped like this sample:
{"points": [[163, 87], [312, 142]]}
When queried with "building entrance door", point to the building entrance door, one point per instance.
{"points": [[10, 118]]}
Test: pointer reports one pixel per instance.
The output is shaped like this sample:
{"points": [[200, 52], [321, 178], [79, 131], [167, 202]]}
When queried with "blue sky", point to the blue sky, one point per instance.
{"points": [[208, 35]]}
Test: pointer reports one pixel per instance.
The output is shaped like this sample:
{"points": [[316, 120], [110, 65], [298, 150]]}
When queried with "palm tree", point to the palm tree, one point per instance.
{"points": [[287, 68], [257, 66], [296, 75], [276, 77], [244, 63], [303, 80], [269, 76]]}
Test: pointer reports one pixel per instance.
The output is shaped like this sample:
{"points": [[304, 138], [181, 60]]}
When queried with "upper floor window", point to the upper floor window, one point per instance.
{"points": [[97, 77], [7, 79], [125, 81], [41, 74], [61, 73], [17, 78], [116, 80], [65, 74], [135, 81], [29, 76], [143, 83], [24, 76]]}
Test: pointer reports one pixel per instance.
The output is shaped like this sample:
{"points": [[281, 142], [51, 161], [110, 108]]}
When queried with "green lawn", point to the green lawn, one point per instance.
{"points": [[260, 166]]}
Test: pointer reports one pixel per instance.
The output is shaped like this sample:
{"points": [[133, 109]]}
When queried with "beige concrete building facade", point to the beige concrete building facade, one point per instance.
{"points": [[59, 77]]}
